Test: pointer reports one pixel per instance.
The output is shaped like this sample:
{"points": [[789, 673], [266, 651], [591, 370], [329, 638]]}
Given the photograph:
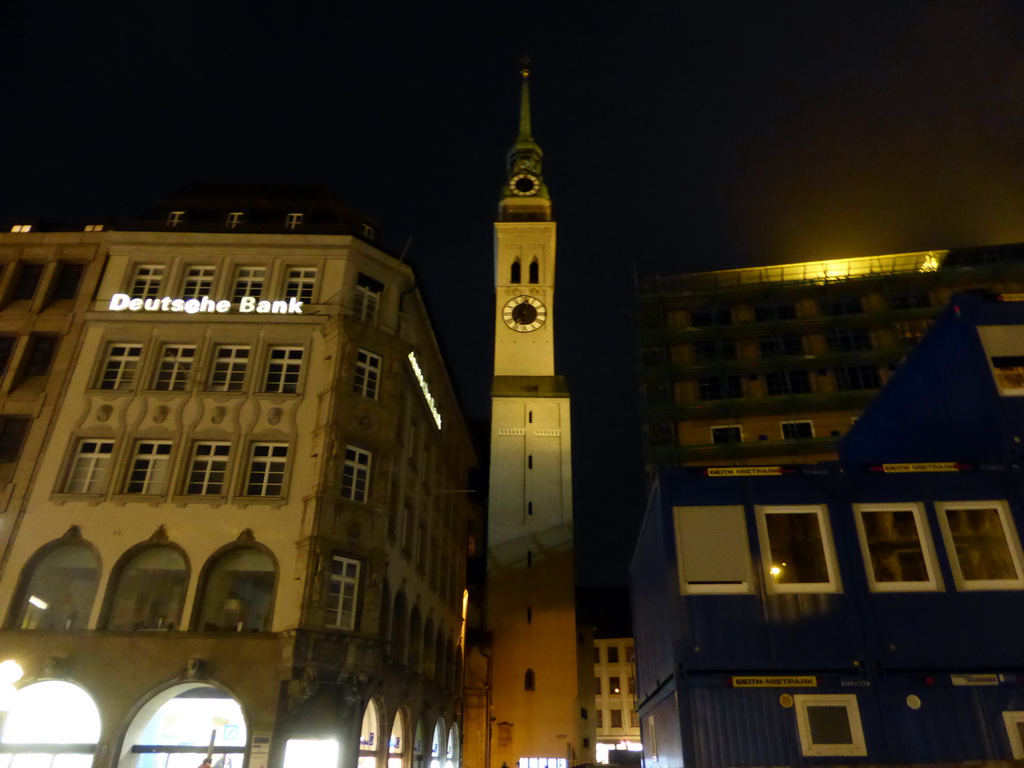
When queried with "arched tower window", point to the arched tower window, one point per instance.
{"points": [[530, 681], [534, 272], [239, 591], [516, 275], [58, 588]]}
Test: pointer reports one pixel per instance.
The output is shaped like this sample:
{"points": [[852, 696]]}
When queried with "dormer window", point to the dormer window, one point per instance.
{"points": [[174, 218], [293, 220], [234, 219], [21, 228], [93, 227], [369, 231]]}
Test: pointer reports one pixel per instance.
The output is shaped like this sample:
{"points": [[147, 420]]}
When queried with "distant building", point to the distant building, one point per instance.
{"points": [[865, 611], [772, 364], [246, 535], [615, 717]]}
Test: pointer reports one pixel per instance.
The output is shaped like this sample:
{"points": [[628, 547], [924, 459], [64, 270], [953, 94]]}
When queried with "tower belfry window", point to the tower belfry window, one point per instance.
{"points": [[516, 275], [534, 272]]}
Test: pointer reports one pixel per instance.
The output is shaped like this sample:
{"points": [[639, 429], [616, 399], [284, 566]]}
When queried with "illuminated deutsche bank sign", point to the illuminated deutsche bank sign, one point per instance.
{"points": [[120, 302]]}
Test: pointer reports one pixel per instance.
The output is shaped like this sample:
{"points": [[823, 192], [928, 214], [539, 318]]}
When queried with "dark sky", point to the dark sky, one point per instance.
{"points": [[677, 136]]}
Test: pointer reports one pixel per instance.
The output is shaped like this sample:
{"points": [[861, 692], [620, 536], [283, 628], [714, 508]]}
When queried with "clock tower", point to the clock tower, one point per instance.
{"points": [[539, 658]]}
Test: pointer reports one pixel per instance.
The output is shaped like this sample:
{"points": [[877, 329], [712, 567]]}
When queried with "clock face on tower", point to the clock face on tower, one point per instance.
{"points": [[524, 184], [524, 314]]}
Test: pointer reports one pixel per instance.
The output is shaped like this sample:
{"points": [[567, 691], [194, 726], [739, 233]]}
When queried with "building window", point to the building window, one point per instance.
{"points": [[238, 593], [149, 590], [857, 377], [530, 680], [58, 589], [719, 388], [146, 284], [300, 283], [90, 466], [613, 684], [534, 272], [120, 367], [798, 543], [175, 367], [630, 653], [367, 298], [787, 383], [910, 301], [597, 655], [342, 590], [39, 356], [829, 725], [367, 374], [597, 686], [26, 281], [599, 718], [712, 550], [248, 282], [897, 547], [21, 228], [1014, 722], [293, 220], [12, 435], [208, 469], [93, 227], [767, 311], [355, 480], [369, 231], [797, 430], [516, 272], [849, 305], [268, 463], [707, 351], [198, 282], [613, 654], [631, 682], [981, 536], [634, 719], [234, 219], [174, 218], [701, 317], [729, 434], [229, 367], [849, 339], [6, 349], [284, 366], [616, 716], [150, 467], [781, 345], [65, 284]]}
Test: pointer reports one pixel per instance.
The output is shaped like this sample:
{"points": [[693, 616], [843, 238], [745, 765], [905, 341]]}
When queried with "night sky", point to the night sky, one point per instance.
{"points": [[677, 136]]}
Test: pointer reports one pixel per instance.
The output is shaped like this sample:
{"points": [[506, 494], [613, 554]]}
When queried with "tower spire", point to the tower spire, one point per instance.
{"points": [[525, 189], [525, 133]]}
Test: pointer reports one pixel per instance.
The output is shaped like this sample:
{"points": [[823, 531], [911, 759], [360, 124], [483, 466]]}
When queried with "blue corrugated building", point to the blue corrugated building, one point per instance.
{"points": [[868, 611]]}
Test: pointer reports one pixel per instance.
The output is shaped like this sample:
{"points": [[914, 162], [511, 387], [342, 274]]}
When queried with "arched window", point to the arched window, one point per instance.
{"points": [[58, 588], [400, 629], [51, 712], [516, 275], [239, 592], [437, 744], [396, 744], [148, 591], [534, 272], [530, 680], [369, 736], [417, 746], [453, 746]]}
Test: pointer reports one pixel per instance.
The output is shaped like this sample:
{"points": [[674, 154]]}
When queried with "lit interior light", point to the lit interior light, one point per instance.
{"points": [[775, 570], [39, 603], [10, 671]]}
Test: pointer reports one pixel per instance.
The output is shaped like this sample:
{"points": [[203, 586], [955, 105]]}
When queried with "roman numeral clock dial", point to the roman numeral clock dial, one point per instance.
{"points": [[524, 314]]}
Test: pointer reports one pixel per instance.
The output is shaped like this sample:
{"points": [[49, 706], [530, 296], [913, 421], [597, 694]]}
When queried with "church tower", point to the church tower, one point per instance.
{"points": [[537, 711]]}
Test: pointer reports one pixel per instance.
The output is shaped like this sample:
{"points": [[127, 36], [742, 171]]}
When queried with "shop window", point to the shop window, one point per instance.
{"points": [[174, 368], [797, 548], [248, 282], [26, 280], [147, 280], [981, 537], [713, 550], [898, 552], [367, 375], [230, 364], [396, 744], [50, 723], [58, 588], [342, 591], [238, 592], [120, 366], [90, 466], [797, 430], [355, 479], [829, 725], [268, 465], [150, 467], [198, 282], [148, 590], [67, 280], [300, 283], [284, 368], [208, 469]]}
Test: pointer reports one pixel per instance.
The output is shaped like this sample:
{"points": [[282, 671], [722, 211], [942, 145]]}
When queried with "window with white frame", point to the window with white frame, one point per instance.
{"points": [[208, 469], [367, 374], [198, 282], [150, 467], [268, 463], [175, 367], [797, 430], [984, 546], [234, 219], [230, 363], [120, 366], [300, 283], [293, 220], [367, 298], [355, 479], [729, 433], [829, 725], [342, 590], [147, 280], [713, 550], [1014, 722], [90, 466], [898, 552], [248, 282], [284, 367], [797, 549]]}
